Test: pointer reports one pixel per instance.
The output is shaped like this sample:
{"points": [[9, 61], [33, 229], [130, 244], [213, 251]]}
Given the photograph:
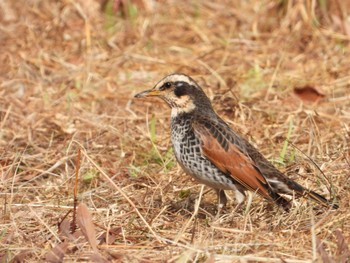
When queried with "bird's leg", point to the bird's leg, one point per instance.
{"points": [[222, 199], [240, 197]]}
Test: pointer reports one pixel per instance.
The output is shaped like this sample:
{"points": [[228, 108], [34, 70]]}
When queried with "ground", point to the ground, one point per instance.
{"points": [[276, 71]]}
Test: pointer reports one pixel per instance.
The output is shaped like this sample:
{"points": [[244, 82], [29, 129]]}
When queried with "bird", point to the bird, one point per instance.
{"points": [[214, 154]]}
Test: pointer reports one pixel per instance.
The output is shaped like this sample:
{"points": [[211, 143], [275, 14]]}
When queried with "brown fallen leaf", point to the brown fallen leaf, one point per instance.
{"points": [[96, 257], [56, 254], [211, 259], [110, 236], [64, 227], [84, 220], [343, 249], [308, 93], [21, 257], [324, 255]]}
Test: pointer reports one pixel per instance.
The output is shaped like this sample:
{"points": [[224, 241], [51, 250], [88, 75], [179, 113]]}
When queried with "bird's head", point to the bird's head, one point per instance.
{"points": [[180, 92]]}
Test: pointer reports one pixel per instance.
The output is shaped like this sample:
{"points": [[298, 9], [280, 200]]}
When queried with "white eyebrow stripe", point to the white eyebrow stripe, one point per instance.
{"points": [[179, 83], [176, 78]]}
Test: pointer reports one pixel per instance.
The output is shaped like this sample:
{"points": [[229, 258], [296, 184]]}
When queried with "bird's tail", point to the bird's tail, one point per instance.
{"points": [[301, 191], [320, 199]]}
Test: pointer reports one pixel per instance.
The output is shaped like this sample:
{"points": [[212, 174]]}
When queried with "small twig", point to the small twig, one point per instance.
{"points": [[73, 225], [194, 214], [194, 228], [274, 75], [121, 192], [213, 72], [64, 217], [313, 236], [44, 223], [315, 164]]}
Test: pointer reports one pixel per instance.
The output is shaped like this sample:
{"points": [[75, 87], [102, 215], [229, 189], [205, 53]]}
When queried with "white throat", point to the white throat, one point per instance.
{"points": [[183, 105]]}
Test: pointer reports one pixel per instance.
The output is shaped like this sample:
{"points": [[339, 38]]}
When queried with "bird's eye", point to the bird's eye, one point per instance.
{"points": [[165, 86]]}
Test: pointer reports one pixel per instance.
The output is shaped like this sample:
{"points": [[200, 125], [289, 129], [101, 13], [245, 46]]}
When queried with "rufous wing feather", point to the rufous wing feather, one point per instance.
{"points": [[232, 161]]}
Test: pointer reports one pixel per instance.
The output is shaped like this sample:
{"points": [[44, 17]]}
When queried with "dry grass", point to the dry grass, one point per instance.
{"points": [[68, 75]]}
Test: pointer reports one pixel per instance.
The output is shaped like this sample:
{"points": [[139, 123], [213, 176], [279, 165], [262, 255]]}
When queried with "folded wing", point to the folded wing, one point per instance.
{"points": [[229, 159]]}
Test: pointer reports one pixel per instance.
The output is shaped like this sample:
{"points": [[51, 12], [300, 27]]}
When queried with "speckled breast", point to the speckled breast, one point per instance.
{"points": [[188, 153]]}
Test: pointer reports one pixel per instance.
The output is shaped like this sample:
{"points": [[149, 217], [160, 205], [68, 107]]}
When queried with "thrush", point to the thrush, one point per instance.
{"points": [[214, 154]]}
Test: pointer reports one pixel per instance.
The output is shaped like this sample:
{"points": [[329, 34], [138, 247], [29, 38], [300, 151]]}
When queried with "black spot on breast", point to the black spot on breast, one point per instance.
{"points": [[197, 150]]}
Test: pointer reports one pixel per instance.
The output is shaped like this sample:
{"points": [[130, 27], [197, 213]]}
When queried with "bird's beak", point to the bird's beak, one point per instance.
{"points": [[148, 93]]}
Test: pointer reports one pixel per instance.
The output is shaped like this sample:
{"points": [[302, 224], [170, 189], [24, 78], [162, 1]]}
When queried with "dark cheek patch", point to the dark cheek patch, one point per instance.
{"points": [[180, 90]]}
